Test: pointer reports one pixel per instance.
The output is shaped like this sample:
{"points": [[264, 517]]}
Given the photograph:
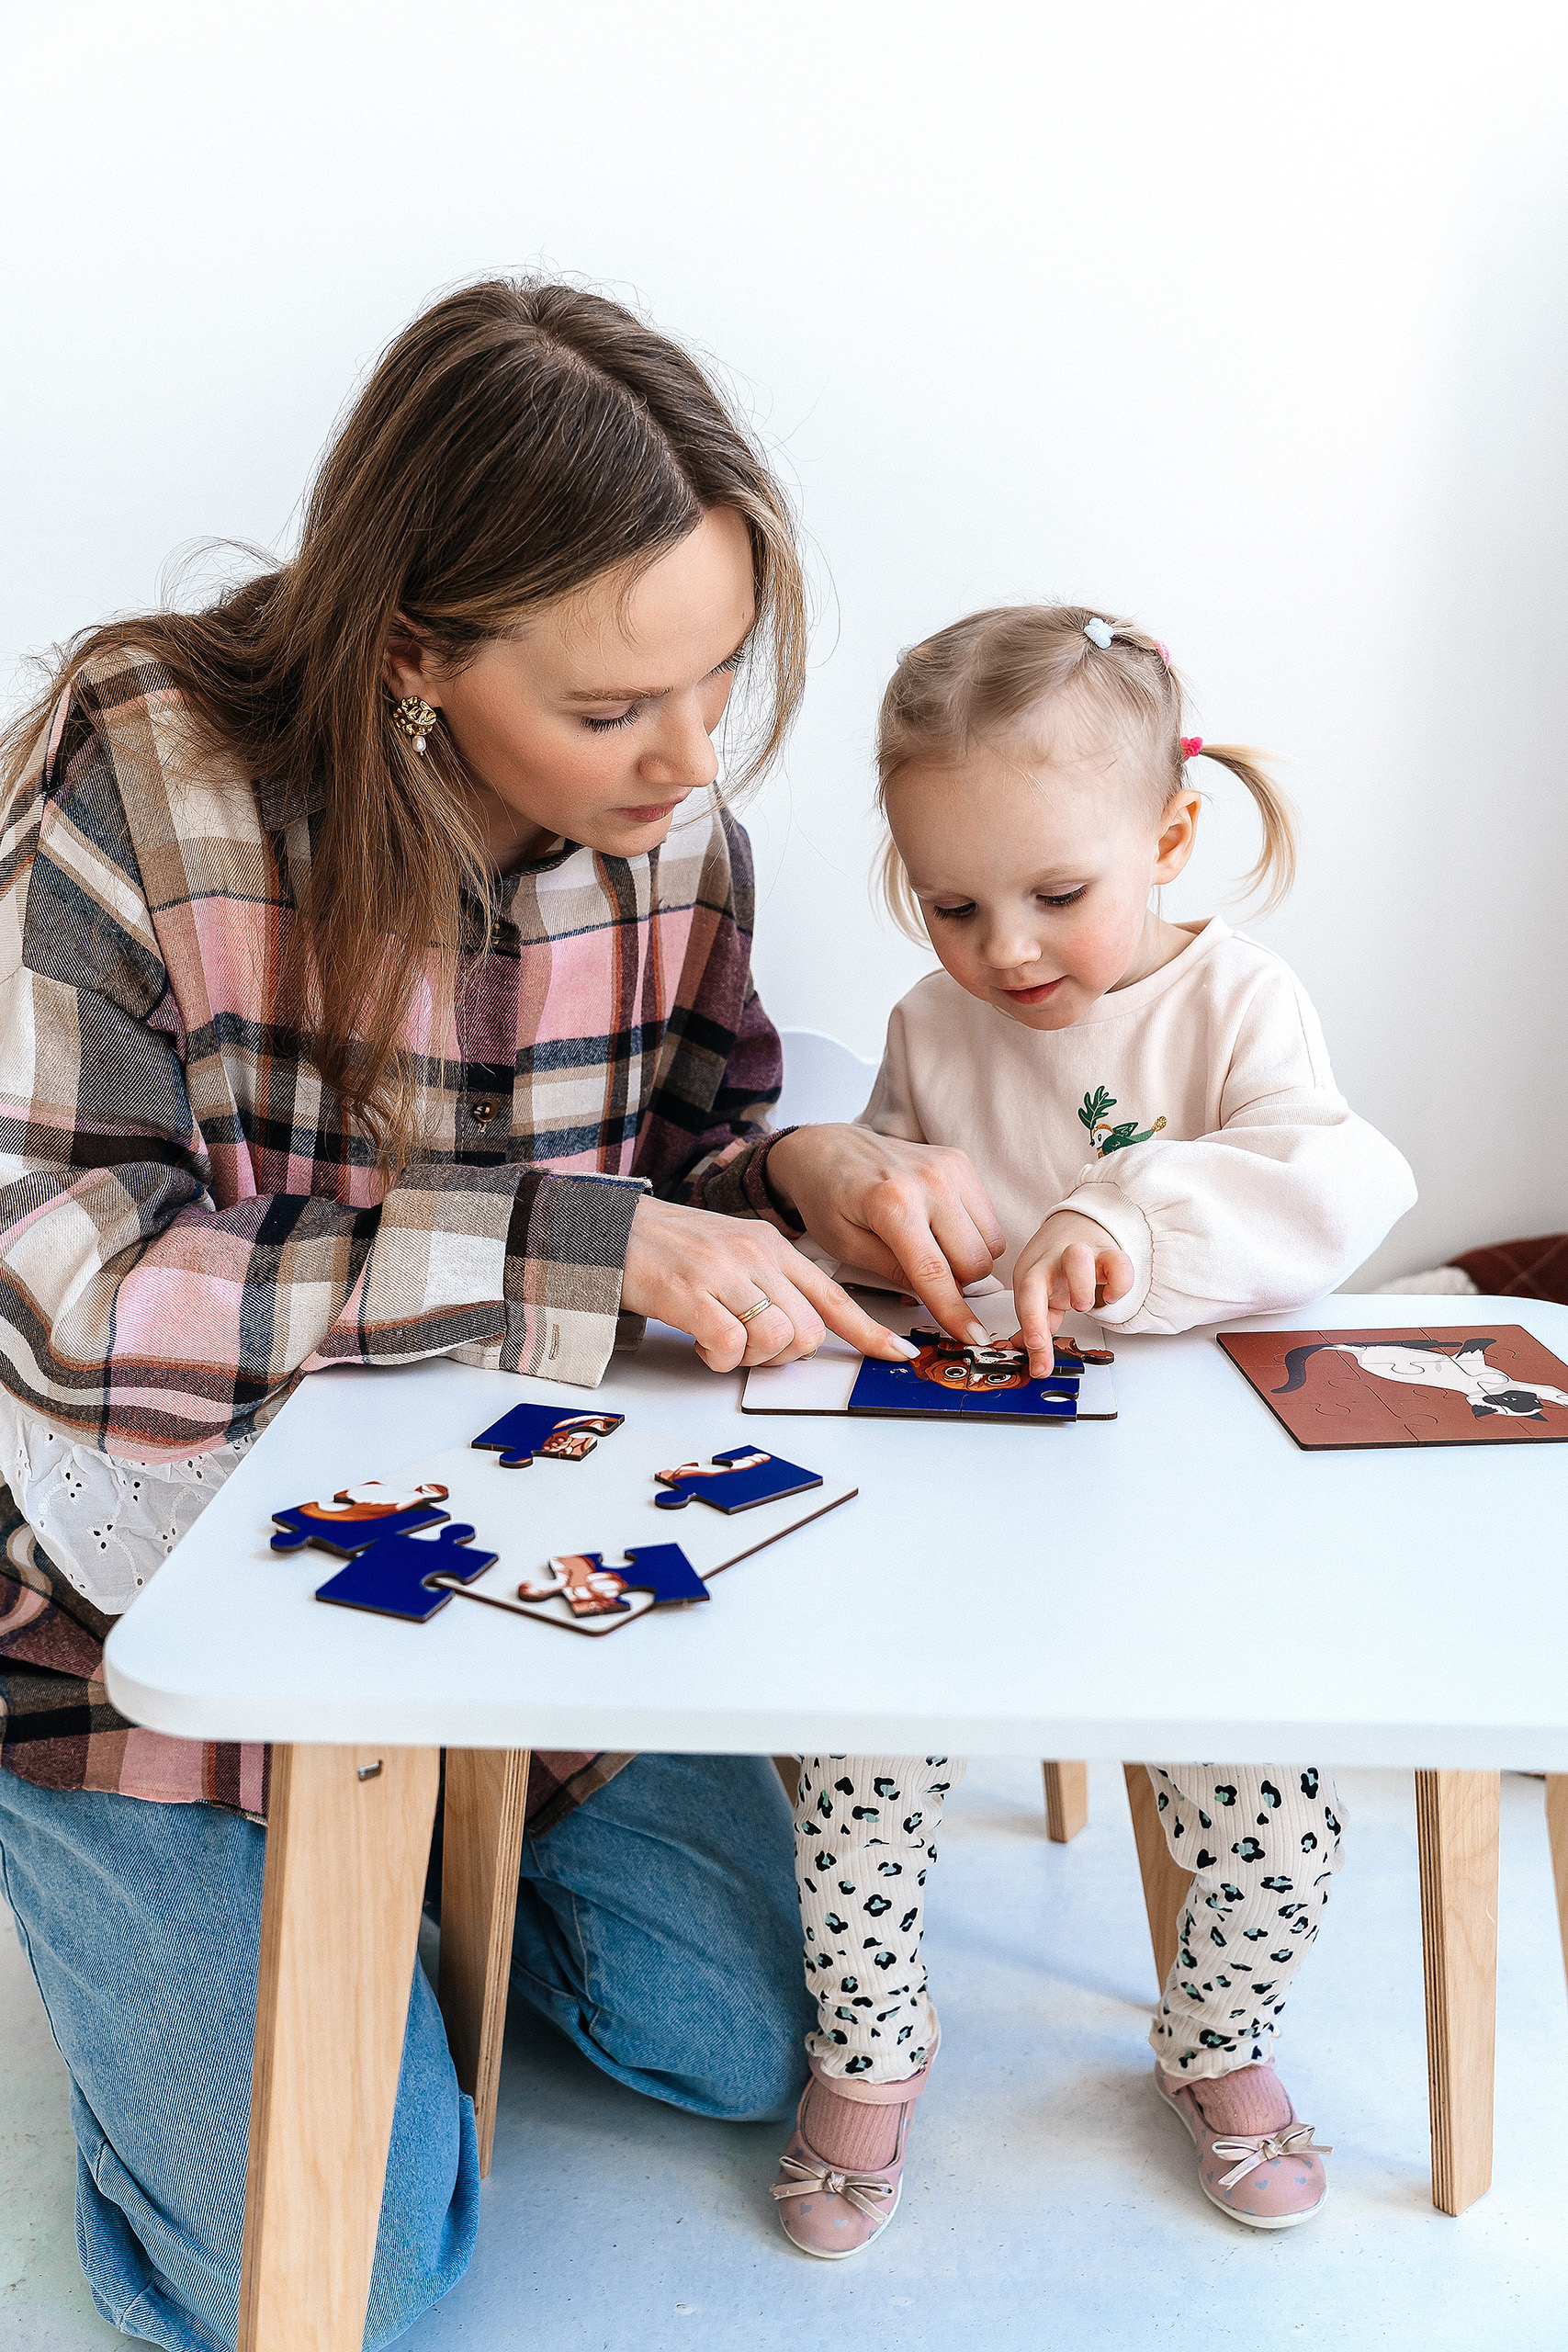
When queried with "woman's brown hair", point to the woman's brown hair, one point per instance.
{"points": [[1035, 671], [516, 441]]}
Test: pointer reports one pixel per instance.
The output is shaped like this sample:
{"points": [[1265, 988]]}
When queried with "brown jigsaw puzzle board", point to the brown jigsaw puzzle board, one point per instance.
{"points": [[1449, 1385]]}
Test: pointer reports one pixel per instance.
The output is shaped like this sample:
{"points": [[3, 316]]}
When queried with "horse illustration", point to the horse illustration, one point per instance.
{"points": [[1467, 1371]]}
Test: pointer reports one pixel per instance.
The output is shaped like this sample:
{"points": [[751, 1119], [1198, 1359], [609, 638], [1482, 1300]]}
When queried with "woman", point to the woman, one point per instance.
{"points": [[376, 985]]}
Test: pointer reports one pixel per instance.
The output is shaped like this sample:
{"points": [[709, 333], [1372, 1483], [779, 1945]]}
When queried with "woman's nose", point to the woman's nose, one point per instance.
{"points": [[682, 751]]}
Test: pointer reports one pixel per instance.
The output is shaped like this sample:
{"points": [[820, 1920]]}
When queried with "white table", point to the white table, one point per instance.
{"points": [[997, 1590]]}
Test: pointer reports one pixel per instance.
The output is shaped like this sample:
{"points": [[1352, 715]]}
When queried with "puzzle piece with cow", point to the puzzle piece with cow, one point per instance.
{"points": [[737, 1480], [545, 1433], [357, 1516], [1465, 1385]]}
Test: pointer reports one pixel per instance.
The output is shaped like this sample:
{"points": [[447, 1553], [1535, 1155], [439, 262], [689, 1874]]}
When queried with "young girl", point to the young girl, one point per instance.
{"points": [[1150, 1108]]}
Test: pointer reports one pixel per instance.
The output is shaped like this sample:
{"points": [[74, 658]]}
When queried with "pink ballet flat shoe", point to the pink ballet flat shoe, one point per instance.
{"points": [[834, 2211], [1270, 2177]]}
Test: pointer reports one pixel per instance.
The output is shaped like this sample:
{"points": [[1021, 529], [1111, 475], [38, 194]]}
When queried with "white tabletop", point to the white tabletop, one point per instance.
{"points": [[1180, 1582]]}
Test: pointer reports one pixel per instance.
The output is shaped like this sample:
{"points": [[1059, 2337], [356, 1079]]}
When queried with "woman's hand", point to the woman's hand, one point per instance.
{"points": [[1072, 1262], [701, 1273], [916, 1213]]}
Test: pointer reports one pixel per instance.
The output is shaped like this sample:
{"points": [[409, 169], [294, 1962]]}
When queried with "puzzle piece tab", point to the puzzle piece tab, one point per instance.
{"points": [[391, 1576], [358, 1516], [737, 1480], [545, 1429], [591, 1589]]}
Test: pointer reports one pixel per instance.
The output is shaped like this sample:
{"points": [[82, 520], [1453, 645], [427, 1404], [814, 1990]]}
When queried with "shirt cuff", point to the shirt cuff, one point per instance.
{"points": [[1129, 1230], [739, 1187]]}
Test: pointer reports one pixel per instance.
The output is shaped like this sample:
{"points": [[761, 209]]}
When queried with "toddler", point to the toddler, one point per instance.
{"points": [[1150, 1107]]}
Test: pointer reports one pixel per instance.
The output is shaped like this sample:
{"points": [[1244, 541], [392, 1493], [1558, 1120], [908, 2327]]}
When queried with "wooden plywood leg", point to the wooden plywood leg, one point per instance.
{"points": [[1557, 1830], [348, 1846], [481, 1847], [788, 1771], [1067, 1801], [1456, 1827], [1165, 1883]]}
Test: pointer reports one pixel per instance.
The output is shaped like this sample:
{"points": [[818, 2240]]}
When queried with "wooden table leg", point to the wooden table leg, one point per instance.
{"points": [[1456, 1828], [347, 1847], [1557, 1831], [1067, 1801], [481, 1847], [1165, 1883], [788, 1769]]}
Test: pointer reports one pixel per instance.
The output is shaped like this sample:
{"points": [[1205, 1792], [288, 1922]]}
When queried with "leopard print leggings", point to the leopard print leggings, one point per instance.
{"points": [[1262, 1842]]}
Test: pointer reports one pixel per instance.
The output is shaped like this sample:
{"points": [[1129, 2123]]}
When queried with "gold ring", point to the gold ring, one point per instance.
{"points": [[761, 1309]]}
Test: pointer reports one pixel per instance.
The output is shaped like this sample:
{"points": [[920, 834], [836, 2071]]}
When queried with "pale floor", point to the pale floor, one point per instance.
{"points": [[1048, 2203]]}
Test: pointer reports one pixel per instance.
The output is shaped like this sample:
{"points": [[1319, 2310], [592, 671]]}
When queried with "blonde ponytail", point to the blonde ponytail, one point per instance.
{"points": [[1275, 866]]}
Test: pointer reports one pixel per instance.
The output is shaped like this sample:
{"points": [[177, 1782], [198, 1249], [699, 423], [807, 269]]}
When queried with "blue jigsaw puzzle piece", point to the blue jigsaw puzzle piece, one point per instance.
{"points": [[737, 1480], [518, 1436], [390, 1576], [348, 1536], [663, 1569], [1036, 1400], [898, 1388]]}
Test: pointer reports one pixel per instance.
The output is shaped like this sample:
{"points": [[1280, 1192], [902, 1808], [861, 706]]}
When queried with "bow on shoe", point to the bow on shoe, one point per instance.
{"points": [[1263, 2148], [860, 2187]]}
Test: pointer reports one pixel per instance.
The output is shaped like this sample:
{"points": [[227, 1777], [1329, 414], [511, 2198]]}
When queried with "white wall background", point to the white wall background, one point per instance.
{"points": [[1251, 323]]}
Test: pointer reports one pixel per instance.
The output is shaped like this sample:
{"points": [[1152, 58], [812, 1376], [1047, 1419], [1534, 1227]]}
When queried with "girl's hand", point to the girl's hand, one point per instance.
{"points": [[914, 1212], [701, 1273], [1072, 1262]]}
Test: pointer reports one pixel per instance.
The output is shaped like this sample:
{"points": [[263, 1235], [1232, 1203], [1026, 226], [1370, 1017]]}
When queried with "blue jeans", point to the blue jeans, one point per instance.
{"points": [[656, 1927]]}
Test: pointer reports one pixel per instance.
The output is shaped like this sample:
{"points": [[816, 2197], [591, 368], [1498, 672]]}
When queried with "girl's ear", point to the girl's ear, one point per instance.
{"points": [[1178, 833], [407, 664]]}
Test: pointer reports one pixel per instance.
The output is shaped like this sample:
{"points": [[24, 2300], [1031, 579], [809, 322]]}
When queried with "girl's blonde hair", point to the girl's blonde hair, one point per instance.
{"points": [[1031, 669]]}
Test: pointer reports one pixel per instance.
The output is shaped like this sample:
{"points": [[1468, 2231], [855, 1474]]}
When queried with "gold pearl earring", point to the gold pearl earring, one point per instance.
{"points": [[413, 718]]}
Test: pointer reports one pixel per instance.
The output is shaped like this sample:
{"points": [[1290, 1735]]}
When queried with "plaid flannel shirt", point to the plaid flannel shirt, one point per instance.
{"points": [[187, 1227]]}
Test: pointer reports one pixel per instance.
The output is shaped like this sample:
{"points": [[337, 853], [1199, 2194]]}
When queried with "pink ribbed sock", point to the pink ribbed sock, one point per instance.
{"points": [[1244, 2104], [849, 2132]]}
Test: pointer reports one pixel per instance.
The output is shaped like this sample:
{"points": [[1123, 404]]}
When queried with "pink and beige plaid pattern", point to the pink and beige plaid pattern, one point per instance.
{"points": [[187, 1227]]}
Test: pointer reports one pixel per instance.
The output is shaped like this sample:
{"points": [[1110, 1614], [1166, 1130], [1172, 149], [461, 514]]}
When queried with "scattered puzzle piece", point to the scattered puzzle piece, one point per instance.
{"points": [[391, 1575], [737, 1480], [545, 1429], [591, 1589], [357, 1516]]}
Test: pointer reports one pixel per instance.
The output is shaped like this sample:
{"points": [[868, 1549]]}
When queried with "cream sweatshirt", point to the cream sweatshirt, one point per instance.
{"points": [[1193, 1115]]}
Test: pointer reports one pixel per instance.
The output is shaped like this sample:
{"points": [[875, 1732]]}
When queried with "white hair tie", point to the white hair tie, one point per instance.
{"points": [[1099, 633]]}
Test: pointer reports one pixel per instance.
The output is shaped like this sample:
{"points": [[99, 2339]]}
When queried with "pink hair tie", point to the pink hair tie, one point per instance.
{"points": [[1190, 746], [1164, 653]]}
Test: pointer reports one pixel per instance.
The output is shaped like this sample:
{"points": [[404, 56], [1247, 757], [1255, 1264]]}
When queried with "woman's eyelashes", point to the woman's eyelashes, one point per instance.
{"points": [[724, 668]]}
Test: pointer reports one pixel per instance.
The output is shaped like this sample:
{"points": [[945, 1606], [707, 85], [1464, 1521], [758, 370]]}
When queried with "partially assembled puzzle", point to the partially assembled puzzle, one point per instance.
{"points": [[1436, 1385], [947, 1377], [592, 1544]]}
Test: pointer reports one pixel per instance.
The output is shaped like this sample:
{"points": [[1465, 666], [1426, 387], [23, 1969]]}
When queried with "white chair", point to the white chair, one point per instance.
{"points": [[822, 1079]]}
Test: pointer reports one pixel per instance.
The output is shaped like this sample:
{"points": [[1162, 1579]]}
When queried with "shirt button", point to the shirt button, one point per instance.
{"points": [[482, 1113]]}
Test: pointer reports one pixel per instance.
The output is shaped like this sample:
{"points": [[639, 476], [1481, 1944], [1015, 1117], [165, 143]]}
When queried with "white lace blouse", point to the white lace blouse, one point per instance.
{"points": [[107, 1521]]}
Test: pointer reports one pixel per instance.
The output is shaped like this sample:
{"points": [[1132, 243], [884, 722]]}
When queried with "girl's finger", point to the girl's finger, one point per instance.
{"points": [[1115, 1272], [1032, 1304]]}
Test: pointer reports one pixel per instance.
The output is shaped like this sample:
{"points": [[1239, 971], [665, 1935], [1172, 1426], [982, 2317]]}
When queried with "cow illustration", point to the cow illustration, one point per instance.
{"points": [[1466, 1371]]}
